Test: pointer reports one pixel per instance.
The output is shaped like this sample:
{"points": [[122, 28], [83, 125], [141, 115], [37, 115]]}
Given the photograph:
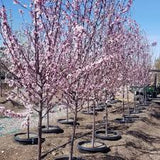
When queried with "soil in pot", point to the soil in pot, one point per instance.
{"points": [[24, 136], [108, 134], [96, 145], [65, 120]]}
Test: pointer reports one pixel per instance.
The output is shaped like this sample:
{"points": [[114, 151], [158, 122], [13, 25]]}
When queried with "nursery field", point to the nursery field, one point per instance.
{"points": [[63, 64], [140, 140]]}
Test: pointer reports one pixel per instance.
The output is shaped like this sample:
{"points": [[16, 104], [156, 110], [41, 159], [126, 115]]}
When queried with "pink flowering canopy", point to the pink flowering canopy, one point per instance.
{"points": [[76, 46], [35, 62]]}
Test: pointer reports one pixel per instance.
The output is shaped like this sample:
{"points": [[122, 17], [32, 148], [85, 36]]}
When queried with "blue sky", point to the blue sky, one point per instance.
{"points": [[14, 10], [145, 12]]}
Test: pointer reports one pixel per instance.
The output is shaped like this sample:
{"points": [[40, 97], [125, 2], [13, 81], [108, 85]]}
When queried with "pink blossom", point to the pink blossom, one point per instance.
{"points": [[154, 44], [15, 1], [21, 11]]}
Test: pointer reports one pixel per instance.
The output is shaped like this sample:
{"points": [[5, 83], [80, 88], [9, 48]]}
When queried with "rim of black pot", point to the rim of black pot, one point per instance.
{"points": [[83, 149], [52, 129], [26, 141], [116, 135], [67, 158]]}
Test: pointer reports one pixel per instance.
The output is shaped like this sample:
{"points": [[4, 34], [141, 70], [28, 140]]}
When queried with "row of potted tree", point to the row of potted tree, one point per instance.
{"points": [[84, 50]]}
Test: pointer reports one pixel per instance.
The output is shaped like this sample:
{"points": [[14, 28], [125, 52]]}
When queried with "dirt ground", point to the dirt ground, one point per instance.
{"points": [[140, 140]]}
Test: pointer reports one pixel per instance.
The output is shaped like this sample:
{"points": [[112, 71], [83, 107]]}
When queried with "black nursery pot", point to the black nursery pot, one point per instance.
{"points": [[88, 113], [84, 149], [124, 120], [52, 129], [67, 158], [27, 141], [98, 109], [131, 116], [137, 111], [64, 121], [115, 101], [112, 135]]}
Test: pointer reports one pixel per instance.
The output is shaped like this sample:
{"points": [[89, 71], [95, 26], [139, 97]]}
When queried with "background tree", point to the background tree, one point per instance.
{"points": [[157, 66]]}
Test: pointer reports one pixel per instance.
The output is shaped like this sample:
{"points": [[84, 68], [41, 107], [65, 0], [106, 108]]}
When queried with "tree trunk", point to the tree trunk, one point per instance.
{"points": [[67, 113], [48, 120], [123, 101], [88, 105], [145, 96], [128, 100], [39, 134], [106, 125], [1, 82], [1, 87], [134, 102], [18, 92], [73, 132], [93, 127], [28, 128]]}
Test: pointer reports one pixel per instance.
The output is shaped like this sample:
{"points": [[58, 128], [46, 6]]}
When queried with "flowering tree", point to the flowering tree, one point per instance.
{"points": [[134, 46], [143, 77], [138, 72], [66, 44], [86, 29], [35, 63]]}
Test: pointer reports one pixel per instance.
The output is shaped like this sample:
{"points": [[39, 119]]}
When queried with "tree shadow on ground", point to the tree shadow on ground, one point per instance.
{"points": [[117, 110], [104, 157], [144, 136], [149, 121], [155, 114], [143, 151], [119, 127]]}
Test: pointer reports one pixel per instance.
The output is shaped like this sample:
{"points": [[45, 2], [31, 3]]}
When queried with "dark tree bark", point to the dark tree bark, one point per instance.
{"points": [[93, 127], [106, 125], [48, 120], [28, 128], [123, 101], [128, 100], [67, 113], [73, 131], [40, 132]]}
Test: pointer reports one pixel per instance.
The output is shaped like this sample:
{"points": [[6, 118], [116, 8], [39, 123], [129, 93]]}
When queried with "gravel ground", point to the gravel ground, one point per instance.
{"points": [[9, 126]]}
